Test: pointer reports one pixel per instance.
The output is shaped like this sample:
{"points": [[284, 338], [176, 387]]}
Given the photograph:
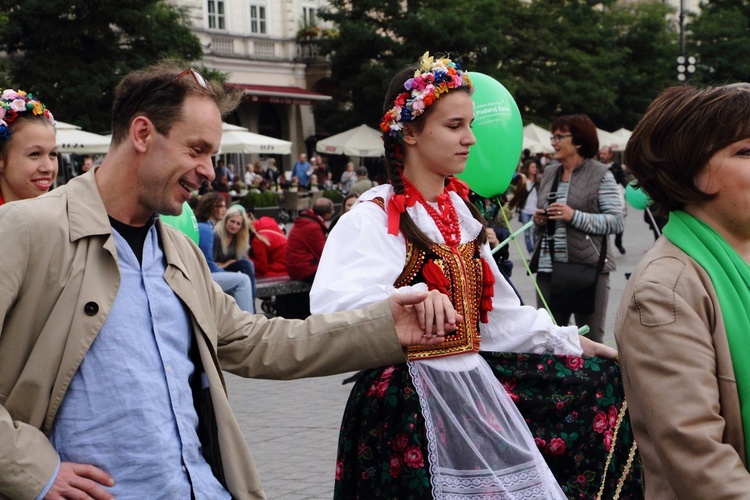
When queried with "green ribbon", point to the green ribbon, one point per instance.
{"points": [[730, 276]]}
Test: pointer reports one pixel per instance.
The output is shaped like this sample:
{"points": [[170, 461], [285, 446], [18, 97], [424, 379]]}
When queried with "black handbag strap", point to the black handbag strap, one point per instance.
{"points": [[551, 230]]}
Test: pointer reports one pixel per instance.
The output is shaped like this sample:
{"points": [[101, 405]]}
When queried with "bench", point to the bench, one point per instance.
{"points": [[267, 289]]}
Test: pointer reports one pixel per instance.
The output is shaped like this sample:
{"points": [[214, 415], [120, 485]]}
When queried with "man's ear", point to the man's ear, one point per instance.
{"points": [[410, 136], [141, 131]]}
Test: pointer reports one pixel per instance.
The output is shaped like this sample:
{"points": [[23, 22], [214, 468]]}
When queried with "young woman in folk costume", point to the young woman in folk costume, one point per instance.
{"points": [[28, 151], [439, 425]]}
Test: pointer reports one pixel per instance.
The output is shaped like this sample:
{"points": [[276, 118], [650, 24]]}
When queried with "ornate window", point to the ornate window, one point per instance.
{"points": [[258, 19], [216, 15]]}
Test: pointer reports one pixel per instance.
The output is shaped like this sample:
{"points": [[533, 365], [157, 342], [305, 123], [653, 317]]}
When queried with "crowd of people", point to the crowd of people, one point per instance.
{"points": [[99, 298]]}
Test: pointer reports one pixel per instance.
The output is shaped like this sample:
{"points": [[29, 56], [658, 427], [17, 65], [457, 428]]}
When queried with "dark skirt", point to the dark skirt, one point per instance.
{"points": [[571, 405]]}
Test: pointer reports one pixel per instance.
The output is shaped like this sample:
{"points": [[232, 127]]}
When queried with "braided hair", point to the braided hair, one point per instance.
{"points": [[394, 158]]}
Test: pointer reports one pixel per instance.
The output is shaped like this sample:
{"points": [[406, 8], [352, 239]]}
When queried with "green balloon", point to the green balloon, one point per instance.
{"points": [[185, 222], [636, 197], [499, 131]]}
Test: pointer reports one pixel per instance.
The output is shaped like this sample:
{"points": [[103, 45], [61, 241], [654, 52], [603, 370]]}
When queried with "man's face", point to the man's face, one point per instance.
{"points": [[178, 162], [303, 158], [605, 155]]}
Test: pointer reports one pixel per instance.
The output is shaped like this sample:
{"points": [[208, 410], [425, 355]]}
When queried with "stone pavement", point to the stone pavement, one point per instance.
{"points": [[292, 426]]}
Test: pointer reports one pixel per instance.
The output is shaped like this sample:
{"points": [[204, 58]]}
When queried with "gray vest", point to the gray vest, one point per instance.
{"points": [[583, 195]]}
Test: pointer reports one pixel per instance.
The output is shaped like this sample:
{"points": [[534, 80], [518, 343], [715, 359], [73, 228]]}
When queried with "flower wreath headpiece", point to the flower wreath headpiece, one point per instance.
{"points": [[433, 78], [12, 103]]}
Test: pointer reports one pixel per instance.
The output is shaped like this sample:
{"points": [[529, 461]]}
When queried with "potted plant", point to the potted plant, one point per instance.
{"points": [[336, 196], [261, 203]]}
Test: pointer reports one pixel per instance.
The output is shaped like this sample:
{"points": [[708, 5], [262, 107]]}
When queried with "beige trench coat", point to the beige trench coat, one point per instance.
{"points": [[679, 381], [58, 280]]}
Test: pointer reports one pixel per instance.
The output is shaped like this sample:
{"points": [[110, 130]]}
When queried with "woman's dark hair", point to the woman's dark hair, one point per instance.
{"points": [[679, 133], [525, 168], [207, 204], [395, 160], [583, 130]]}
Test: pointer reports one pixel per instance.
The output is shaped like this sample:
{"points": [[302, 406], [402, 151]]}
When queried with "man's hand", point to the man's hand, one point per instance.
{"points": [[591, 348], [423, 318], [81, 482]]}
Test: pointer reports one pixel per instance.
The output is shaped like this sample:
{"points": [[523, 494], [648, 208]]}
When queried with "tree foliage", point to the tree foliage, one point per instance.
{"points": [[72, 53], [718, 37], [555, 56]]}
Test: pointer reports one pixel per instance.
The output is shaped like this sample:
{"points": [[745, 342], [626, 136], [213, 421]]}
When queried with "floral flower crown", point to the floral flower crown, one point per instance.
{"points": [[433, 78], [12, 103]]}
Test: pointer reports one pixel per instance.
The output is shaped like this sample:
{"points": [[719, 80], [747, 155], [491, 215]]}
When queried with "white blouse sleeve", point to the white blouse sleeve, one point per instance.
{"points": [[360, 262], [516, 328]]}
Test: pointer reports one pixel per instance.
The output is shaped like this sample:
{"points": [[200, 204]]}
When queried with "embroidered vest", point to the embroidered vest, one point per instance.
{"points": [[458, 272]]}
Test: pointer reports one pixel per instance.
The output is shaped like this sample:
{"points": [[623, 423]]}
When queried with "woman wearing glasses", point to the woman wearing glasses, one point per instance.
{"points": [[578, 207]]}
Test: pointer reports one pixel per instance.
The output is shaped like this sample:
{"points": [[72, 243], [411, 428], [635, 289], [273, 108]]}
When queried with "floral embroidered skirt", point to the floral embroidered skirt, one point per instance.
{"points": [[571, 405]]}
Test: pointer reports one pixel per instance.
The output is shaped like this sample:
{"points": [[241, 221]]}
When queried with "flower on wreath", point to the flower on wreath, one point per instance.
{"points": [[433, 78], [13, 102]]}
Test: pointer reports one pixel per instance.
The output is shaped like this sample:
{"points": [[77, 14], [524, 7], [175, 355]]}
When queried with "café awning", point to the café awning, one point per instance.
{"points": [[279, 94]]}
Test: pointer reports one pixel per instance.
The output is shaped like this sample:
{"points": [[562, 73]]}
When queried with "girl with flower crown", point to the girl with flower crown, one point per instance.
{"points": [[440, 425], [28, 152]]}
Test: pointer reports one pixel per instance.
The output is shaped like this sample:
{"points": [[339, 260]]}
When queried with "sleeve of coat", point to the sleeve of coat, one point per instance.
{"points": [[254, 346], [665, 340], [27, 459]]}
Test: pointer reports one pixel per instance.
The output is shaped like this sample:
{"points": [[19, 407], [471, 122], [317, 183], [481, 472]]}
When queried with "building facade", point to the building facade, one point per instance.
{"points": [[260, 45]]}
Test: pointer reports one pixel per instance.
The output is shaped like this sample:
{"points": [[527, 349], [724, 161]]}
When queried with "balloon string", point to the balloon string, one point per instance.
{"points": [[653, 222], [512, 236], [525, 262]]}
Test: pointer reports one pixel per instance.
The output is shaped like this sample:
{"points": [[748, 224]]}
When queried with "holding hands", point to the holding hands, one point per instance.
{"points": [[423, 318]]}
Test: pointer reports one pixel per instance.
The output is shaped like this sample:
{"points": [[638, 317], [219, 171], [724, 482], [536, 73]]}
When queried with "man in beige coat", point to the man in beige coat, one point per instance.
{"points": [[63, 279]]}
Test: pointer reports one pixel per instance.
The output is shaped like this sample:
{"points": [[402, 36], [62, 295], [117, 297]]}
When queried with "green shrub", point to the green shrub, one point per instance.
{"points": [[334, 195], [257, 199]]}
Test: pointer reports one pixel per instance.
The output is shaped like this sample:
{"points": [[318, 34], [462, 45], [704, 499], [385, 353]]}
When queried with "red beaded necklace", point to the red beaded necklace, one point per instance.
{"points": [[445, 217]]}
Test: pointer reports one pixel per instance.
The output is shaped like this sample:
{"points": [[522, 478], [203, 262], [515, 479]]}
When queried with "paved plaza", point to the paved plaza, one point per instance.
{"points": [[292, 426]]}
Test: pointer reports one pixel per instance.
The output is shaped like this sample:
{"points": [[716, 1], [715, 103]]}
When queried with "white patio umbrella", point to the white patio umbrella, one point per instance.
{"points": [[623, 134], [536, 147], [71, 139], [534, 135], [359, 141], [236, 139], [610, 139]]}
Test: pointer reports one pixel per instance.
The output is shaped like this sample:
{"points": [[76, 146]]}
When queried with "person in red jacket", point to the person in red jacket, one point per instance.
{"points": [[268, 250], [303, 250], [306, 240]]}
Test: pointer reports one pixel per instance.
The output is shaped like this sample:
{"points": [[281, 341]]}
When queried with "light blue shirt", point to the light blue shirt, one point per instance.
{"points": [[301, 170], [129, 408]]}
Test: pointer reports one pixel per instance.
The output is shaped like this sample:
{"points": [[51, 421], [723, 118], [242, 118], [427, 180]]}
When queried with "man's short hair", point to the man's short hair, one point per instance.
{"points": [[361, 171], [158, 93], [322, 207]]}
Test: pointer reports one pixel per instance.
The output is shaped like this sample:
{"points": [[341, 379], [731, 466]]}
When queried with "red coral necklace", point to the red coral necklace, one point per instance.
{"points": [[445, 217]]}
